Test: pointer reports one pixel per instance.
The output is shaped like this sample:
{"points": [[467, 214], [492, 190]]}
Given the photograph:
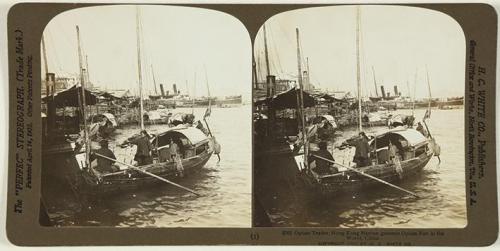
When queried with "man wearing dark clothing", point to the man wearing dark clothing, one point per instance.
{"points": [[144, 147], [104, 165], [361, 157], [322, 166]]}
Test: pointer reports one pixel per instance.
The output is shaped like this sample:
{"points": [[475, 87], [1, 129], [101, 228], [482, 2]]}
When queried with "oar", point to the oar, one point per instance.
{"points": [[369, 176], [150, 174]]}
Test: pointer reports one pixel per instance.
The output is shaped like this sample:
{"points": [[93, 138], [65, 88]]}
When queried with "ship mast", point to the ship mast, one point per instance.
{"points": [[358, 76], [414, 92], [83, 101], [208, 88], [87, 69], [301, 102], [375, 81], [308, 79], [268, 71], [139, 68], [429, 89], [45, 58], [194, 93], [254, 73], [154, 80]]}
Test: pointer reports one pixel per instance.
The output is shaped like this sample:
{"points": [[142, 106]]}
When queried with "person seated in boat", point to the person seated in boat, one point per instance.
{"points": [[324, 129], [361, 156], [323, 167], [188, 119], [144, 147], [409, 120], [422, 130], [104, 165]]}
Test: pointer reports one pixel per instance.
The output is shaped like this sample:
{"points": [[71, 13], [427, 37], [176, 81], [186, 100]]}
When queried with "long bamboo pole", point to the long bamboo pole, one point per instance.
{"points": [[139, 66], [358, 67], [301, 102]]}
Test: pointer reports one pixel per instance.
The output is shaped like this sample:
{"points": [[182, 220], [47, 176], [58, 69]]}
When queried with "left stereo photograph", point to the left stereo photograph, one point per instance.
{"points": [[146, 118]]}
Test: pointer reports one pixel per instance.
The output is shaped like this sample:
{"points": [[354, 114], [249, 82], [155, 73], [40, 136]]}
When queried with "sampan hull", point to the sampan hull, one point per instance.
{"points": [[130, 180], [349, 182]]}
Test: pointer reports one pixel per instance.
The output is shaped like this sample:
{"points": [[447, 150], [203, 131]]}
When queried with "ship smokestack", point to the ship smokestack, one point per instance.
{"points": [[175, 88], [162, 91], [382, 90], [396, 90]]}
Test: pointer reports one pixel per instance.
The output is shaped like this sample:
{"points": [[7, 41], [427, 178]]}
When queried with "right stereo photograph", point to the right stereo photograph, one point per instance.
{"points": [[358, 119]]}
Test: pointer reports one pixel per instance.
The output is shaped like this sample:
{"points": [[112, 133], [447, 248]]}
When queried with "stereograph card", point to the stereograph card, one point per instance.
{"points": [[252, 124]]}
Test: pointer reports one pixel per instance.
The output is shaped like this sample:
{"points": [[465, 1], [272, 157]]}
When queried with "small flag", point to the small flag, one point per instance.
{"points": [[427, 114], [207, 113]]}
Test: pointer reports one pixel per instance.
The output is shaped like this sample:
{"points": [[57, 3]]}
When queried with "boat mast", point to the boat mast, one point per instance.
{"points": [[138, 31], [266, 56], [358, 76], [87, 68], [194, 93], [208, 88], [154, 80], [429, 89], [83, 101], [408, 87], [375, 81], [254, 73], [308, 79], [301, 102], [414, 92], [45, 58]]}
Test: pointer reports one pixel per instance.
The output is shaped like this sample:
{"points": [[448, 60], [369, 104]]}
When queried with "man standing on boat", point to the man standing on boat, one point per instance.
{"points": [[174, 154], [394, 159], [144, 147], [104, 165], [361, 156]]}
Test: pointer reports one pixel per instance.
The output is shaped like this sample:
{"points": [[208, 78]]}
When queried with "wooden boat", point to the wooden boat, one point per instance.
{"points": [[196, 150], [414, 153]]}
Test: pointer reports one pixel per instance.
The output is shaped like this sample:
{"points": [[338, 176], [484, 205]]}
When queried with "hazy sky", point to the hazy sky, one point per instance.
{"points": [[396, 41], [177, 41]]}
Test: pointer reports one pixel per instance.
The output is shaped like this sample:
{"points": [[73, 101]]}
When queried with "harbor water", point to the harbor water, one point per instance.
{"points": [[225, 186], [441, 187]]}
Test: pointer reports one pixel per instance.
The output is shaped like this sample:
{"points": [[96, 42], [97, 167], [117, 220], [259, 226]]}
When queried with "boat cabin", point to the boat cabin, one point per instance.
{"points": [[408, 144], [190, 141]]}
